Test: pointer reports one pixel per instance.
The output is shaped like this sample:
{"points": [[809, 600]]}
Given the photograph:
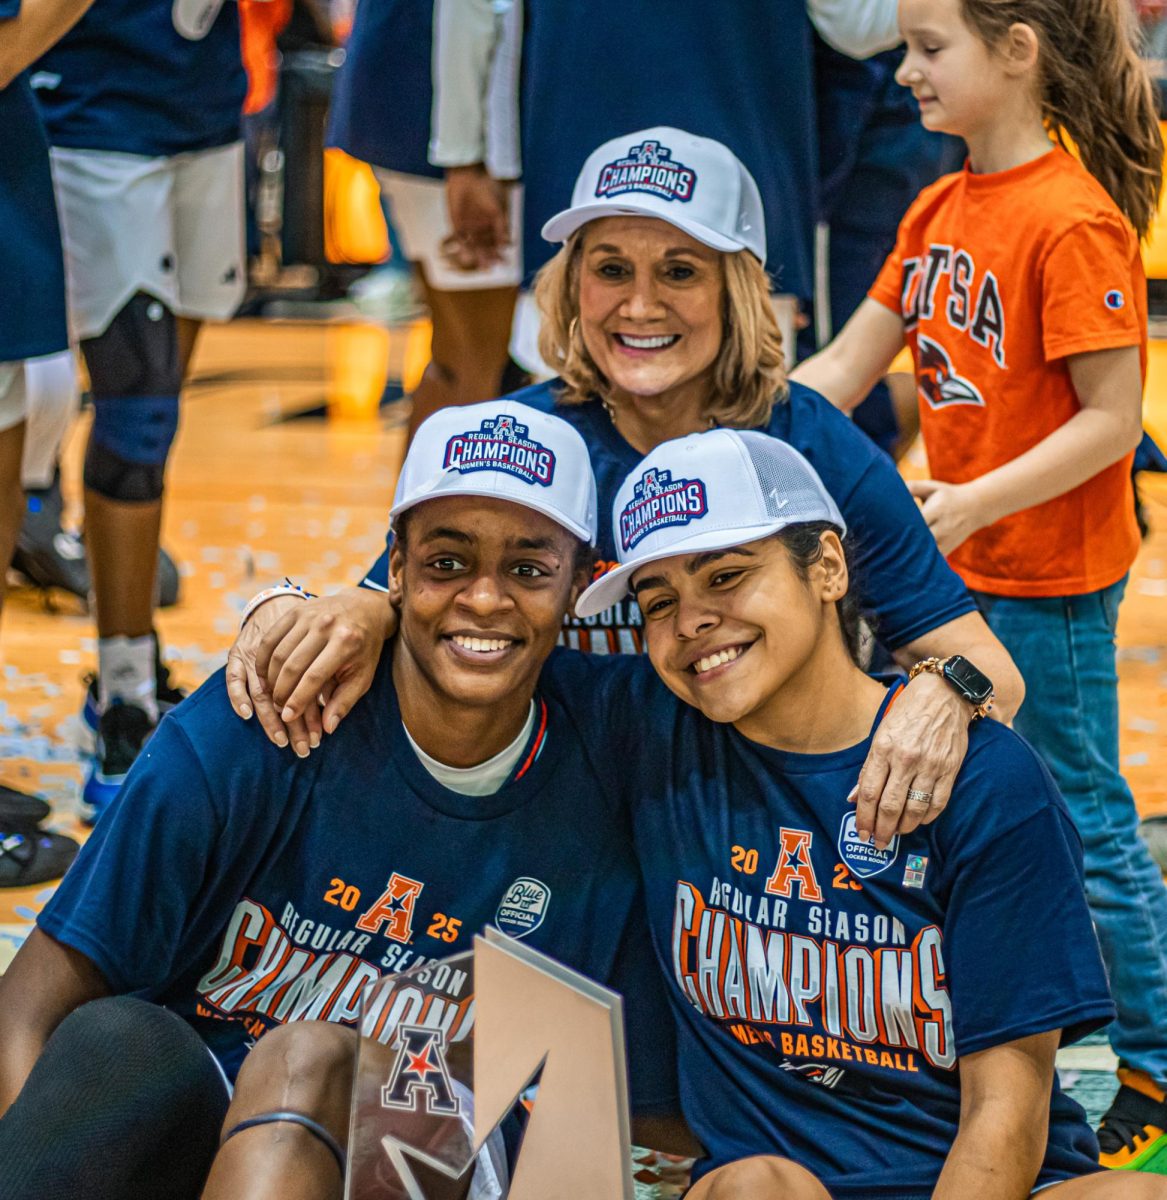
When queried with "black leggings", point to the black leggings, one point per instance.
{"points": [[124, 1103]]}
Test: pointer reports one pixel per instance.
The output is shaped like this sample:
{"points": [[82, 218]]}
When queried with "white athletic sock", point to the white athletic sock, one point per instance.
{"points": [[125, 672]]}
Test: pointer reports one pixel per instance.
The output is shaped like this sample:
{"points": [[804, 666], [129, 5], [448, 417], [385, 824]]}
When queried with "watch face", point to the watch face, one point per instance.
{"points": [[974, 684]]}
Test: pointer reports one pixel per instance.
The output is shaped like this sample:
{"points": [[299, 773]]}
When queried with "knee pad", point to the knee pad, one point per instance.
{"points": [[135, 377]]}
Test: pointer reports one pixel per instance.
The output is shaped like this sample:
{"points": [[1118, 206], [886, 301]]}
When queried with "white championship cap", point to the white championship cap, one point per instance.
{"points": [[691, 182], [506, 451], [707, 491]]}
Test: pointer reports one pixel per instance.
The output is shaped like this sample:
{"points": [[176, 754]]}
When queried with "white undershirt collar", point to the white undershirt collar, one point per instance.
{"points": [[484, 779]]}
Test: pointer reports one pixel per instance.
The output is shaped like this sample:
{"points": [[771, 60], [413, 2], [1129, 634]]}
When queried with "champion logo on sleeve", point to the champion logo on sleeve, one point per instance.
{"points": [[501, 444], [650, 168], [659, 500], [1114, 300]]}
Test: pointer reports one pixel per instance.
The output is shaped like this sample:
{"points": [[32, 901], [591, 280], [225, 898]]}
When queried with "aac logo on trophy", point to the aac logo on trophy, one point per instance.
{"points": [[448, 1048]]}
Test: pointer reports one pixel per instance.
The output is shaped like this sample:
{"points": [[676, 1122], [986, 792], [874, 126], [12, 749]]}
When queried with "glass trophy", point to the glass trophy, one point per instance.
{"points": [[450, 1052]]}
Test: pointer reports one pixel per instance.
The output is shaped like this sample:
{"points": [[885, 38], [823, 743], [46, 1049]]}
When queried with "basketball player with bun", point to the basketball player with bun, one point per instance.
{"points": [[1017, 284], [887, 1019]]}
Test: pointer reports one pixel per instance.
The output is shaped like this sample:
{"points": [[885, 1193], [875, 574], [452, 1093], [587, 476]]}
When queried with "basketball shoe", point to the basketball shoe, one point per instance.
{"points": [[1133, 1134]]}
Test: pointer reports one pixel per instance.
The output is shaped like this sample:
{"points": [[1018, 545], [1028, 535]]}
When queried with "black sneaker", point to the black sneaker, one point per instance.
{"points": [[167, 693], [50, 556], [122, 731]]}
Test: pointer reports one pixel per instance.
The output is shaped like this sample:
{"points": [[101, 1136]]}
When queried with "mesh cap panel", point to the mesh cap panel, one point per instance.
{"points": [[791, 491]]}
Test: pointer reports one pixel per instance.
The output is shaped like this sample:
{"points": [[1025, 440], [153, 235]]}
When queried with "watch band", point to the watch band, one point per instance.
{"points": [[935, 666]]}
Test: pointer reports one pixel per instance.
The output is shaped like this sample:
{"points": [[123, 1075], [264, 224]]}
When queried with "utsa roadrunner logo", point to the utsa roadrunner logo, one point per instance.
{"points": [[650, 168], [420, 1080], [659, 500], [938, 383], [501, 444]]}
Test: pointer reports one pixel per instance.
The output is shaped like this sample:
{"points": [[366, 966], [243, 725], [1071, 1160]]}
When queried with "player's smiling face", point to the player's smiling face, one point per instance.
{"points": [[650, 308], [482, 586], [730, 631], [959, 82]]}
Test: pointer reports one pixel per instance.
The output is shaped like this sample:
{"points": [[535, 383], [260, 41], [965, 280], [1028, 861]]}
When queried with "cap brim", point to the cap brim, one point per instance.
{"points": [[564, 224], [452, 483], [613, 586]]}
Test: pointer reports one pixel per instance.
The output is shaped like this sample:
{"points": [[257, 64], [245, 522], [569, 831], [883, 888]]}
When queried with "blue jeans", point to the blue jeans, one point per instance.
{"points": [[1064, 648]]}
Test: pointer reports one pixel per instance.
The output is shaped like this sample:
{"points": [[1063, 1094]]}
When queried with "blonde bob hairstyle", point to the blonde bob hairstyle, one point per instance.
{"points": [[749, 373]]}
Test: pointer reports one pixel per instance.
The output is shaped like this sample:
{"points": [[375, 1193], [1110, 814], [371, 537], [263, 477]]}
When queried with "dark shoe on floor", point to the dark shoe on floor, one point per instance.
{"points": [[20, 812], [1133, 1134], [27, 859], [122, 731], [50, 556]]}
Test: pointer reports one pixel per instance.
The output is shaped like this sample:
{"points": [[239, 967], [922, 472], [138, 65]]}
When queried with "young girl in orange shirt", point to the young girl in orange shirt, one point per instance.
{"points": [[1017, 284]]}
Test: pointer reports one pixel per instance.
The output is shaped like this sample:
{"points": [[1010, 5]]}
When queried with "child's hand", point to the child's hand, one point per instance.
{"points": [[952, 511]]}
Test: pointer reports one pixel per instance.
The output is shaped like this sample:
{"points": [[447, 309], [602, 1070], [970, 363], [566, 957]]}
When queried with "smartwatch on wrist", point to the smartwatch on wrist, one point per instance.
{"points": [[965, 680]]}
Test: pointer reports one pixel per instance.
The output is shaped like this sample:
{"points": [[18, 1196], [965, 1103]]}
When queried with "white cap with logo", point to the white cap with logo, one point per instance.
{"points": [[502, 450], [707, 491], [691, 182]]}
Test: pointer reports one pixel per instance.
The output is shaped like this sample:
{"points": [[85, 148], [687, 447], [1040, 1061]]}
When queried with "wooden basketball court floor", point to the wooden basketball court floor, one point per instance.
{"points": [[284, 465]]}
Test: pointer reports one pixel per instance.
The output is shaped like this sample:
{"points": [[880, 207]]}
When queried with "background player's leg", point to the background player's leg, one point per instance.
{"points": [[305, 1067], [188, 335], [11, 497], [12, 406], [472, 332], [761, 1178], [135, 376], [125, 1100], [52, 405]]}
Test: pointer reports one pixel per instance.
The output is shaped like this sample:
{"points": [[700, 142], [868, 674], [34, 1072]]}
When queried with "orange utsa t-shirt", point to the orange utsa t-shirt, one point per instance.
{"points": [[998, 278]]}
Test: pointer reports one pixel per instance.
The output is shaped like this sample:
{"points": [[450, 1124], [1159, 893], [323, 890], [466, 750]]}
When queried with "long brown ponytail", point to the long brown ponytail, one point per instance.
{"points": [[1095, 89]]}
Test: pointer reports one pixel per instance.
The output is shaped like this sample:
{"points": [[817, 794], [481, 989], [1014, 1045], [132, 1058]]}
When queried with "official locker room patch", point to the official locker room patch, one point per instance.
{"points": [[523, 907], [864, 858]]}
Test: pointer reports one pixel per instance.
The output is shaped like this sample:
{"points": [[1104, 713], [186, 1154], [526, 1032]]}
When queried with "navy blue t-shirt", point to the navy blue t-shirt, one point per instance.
{"points": [[32, 295], [382, 100], [243, 887], [594, 71], [901, 578], [123, 78], [823, 989]]}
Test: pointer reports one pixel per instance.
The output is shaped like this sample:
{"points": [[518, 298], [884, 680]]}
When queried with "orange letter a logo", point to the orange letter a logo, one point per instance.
{"points": [[794, 866], [395, 907]]}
